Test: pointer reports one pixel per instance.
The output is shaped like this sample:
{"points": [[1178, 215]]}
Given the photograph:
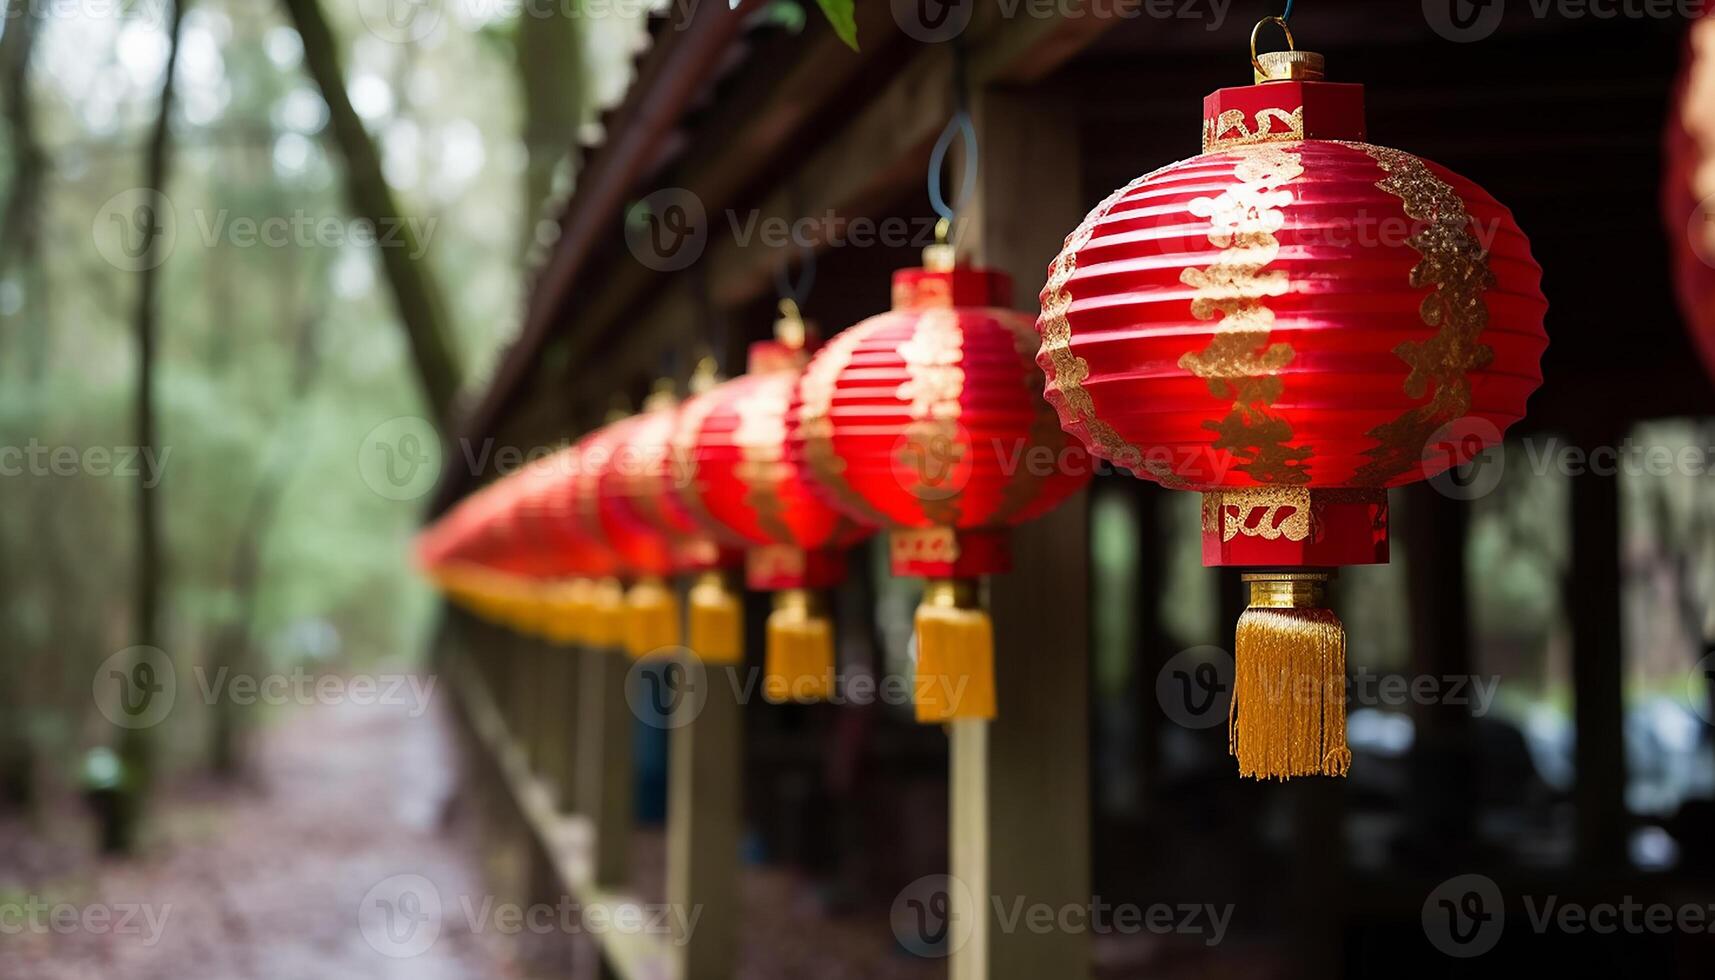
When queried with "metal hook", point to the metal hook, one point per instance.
{"points": [[1281, 21]]}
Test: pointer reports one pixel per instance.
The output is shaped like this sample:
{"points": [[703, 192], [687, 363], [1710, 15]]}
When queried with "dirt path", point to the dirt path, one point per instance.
{"points": [[316, 872]]}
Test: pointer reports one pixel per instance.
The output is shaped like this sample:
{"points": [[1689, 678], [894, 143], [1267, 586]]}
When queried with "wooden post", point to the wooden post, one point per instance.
{"points": [[1020, 794], [556, 707], [604, 763], [704, 819], [1598, 674]]}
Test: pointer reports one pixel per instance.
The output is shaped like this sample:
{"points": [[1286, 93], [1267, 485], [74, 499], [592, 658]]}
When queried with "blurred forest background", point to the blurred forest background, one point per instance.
{"points": [[276, 347]]}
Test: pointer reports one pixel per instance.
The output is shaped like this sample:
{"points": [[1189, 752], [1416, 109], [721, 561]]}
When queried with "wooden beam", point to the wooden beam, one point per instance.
{"points": [[870, 162], [1021, 788]]}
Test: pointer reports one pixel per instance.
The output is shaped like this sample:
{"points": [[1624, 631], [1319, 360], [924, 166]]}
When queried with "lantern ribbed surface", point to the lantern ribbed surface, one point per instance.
{"points": [[739, 474], [1291, 313], [930, 415]]}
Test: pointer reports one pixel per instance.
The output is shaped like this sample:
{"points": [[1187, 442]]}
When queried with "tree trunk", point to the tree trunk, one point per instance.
{"points": [[415, 292], [20, 223], [137, 748], [550, 78]]}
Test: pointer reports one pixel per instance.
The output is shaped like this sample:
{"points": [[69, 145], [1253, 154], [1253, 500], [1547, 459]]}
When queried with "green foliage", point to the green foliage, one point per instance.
{"points": [[842, 17]]}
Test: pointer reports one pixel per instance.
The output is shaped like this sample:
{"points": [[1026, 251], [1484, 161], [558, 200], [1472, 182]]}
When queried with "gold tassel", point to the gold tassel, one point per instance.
{"points": [[569, 611], [955, 654], [1288, 714], [799, 664], [716, 620], [651, 617], [605, 628]]}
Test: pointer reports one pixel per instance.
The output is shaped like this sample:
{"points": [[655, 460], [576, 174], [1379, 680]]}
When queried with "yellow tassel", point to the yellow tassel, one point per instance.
{"points": [[569, 611], [716, 620], [1288, 714], [955, 654], [799, 665], [651, 617], [605, 627]]}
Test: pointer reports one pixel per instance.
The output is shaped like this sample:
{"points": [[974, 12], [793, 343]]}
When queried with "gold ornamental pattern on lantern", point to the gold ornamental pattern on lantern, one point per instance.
{"points": [[1240, 362], [1070, 370], [934, 384], [1454, 266], [761, 437], [1273, 125]]}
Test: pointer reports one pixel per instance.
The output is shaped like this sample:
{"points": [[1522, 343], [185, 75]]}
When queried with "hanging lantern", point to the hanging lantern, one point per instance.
{"points": [[736, 475], [572, 563], [1688, 185], [477, 558], [641, 511], [604, 492], [1291, 323], [927, 420]]}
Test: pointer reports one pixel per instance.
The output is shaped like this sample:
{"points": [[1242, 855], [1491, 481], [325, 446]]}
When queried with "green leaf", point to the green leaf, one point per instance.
{"points": [[844, 20]]}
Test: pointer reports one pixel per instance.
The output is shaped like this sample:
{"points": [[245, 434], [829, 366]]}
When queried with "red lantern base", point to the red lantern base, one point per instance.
{"points": [[945, 552], [772, 568], [1295, 527]]}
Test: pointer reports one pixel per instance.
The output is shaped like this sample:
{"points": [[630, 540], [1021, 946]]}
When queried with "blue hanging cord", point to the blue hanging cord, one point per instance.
{"points": [[1287, 13], [960, 125]]}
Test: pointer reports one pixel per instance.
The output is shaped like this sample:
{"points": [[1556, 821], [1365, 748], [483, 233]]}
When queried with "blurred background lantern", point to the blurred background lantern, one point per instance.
{"points": [[738, 476], [1688, 185], [637, 487], [1292, 323], [927, 420]]}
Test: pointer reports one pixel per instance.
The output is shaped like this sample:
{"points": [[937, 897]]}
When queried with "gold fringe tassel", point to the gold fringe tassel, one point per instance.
{"points": [[1288, 714], [605, 628], [651, 617], [955, 654], [569, 611], [799, 662], [716, 620]]}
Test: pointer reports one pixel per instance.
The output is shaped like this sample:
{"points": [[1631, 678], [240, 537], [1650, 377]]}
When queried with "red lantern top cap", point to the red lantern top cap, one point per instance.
{"points": [[1289, 101], [923, 289]]}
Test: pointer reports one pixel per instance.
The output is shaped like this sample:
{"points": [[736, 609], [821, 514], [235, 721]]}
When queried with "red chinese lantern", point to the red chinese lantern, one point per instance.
{"points": [[1291, 323], [1688, 186], [641, 511], [477, 557], [571, 562], [927, 420], [738, 475]]}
